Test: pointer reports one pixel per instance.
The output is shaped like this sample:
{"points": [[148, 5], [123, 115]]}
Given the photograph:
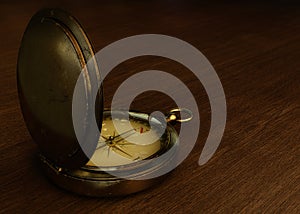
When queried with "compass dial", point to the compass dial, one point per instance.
{"points": [[136, 141]]}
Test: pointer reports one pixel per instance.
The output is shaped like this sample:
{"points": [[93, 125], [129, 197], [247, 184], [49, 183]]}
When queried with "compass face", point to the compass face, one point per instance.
{"points": [[124, 141]]}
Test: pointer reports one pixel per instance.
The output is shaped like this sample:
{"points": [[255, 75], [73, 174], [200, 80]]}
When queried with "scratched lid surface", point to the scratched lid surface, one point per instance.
{"points": [[53, 53]]}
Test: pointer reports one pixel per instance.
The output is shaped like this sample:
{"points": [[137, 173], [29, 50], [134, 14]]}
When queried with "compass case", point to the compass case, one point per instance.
{"points": [[53, 53]]}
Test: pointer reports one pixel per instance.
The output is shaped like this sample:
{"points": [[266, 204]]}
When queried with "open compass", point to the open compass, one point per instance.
{"points": [[131, 146]]}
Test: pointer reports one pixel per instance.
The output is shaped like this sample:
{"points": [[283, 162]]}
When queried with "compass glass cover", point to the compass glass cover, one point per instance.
{"points": [[133, 140]]}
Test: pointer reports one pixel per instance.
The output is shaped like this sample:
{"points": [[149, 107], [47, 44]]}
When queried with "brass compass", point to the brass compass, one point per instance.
{"points": [[131, 146]]}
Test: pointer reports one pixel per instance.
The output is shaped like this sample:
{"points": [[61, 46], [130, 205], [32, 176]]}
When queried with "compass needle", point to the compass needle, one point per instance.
{"points": [[108, 151], [105, 138], [99, 147], [120, 143], [123, 138], [121, 150]]}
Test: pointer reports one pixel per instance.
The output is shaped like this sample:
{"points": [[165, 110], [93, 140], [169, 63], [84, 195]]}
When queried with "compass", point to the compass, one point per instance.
{"points": [[132, 146]]}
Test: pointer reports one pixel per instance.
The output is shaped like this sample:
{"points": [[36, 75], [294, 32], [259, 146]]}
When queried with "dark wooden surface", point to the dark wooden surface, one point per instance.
{"points": [[255, 49]]}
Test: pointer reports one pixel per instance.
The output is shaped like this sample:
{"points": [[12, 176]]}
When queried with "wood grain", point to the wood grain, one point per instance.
{"points": [[255, 49]]}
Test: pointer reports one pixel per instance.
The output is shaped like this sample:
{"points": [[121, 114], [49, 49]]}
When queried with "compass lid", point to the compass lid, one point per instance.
{"points": [[53, 54]]}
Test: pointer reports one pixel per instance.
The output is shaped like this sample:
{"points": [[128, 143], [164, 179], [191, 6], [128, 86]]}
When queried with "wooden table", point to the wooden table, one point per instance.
{"points": [[255, 49]]}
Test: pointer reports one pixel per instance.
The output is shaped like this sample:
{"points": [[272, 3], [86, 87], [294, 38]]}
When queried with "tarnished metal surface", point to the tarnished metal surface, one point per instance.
{"points": [[53, 52]]}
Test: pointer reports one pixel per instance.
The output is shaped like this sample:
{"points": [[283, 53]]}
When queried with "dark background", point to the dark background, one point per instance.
{"points": [[254, 47]]}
